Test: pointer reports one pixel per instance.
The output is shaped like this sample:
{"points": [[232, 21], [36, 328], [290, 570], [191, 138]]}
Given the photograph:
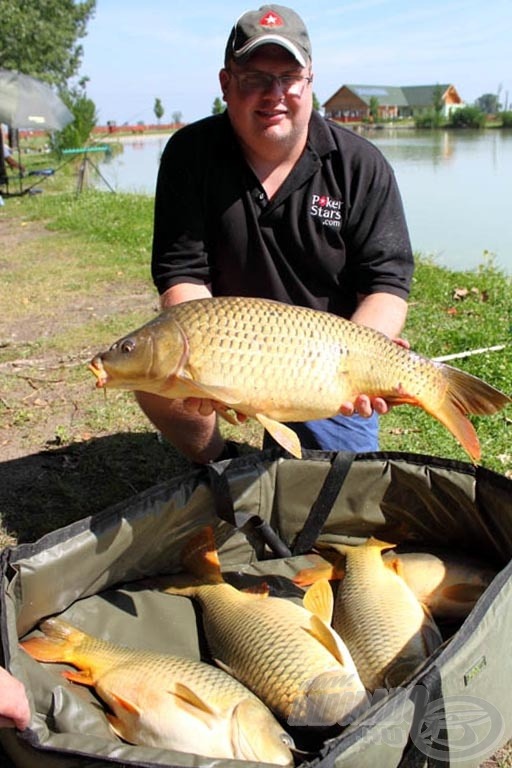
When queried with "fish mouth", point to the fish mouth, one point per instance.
{"points": [[96, 366]]}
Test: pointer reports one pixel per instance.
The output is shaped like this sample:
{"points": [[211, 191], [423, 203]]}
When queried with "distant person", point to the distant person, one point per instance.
{"points": [[10, 159], [14, 706], [271, 200]]}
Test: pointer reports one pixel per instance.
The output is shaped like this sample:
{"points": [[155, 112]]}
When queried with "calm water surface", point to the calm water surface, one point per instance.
{"points": [[456, 188]]}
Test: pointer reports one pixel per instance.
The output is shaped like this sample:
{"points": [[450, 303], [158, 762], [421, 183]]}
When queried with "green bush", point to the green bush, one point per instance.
{"points": [[467, 117], [506, 119]]}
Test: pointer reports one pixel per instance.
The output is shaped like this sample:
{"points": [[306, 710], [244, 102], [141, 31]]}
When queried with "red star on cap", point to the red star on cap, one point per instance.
{"points": [[271, 19]]}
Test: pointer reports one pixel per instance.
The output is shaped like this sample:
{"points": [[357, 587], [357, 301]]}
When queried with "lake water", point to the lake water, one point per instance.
{"points": [[456, 188]]}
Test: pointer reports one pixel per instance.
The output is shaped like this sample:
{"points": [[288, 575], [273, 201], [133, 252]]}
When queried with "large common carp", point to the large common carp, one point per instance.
{"points": [[277, 362], [387, 630], [167, 701], [286, 653]]}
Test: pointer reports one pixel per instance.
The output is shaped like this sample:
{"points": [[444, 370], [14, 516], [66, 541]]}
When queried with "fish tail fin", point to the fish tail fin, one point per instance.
{"points": [[59, 643], [200, 557], [466, 394]]}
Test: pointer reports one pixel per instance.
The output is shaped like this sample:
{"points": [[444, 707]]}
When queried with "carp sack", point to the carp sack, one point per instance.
{"points": [[277, 362], [167, 701]]}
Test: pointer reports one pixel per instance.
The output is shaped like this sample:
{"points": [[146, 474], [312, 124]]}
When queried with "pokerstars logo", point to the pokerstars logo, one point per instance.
{"points": [[327, 209], [271, 19]]}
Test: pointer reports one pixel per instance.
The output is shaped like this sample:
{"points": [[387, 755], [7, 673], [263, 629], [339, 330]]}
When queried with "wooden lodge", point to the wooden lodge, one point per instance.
{"points": [[353, 102]]}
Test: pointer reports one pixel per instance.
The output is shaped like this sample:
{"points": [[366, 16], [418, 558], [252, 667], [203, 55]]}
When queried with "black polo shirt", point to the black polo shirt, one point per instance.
{"points": [[335, 228]]}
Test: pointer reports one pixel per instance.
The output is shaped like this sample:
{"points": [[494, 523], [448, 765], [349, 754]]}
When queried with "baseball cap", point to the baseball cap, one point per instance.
{"points": [[269, 24]]}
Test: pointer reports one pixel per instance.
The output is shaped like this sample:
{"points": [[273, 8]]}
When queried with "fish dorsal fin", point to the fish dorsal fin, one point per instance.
{"points": [[319, 600], [282, 434], [200, 557]]}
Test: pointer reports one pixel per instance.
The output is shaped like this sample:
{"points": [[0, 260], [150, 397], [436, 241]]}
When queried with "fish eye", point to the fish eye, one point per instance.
{"points": [[287, 740], [127, 346]]}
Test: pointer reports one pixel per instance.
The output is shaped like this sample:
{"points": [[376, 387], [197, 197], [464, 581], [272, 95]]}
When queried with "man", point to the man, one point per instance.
{"points": [[271, 200]]}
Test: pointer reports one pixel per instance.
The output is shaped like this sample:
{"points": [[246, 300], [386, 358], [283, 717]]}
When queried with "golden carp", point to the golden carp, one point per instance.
{"points": [[287, 654], [167, 701], [276, 362], [386, 629], [448, 584]]}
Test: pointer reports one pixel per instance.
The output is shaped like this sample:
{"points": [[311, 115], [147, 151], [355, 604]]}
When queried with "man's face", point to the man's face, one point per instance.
{"points": [[271, 115]]}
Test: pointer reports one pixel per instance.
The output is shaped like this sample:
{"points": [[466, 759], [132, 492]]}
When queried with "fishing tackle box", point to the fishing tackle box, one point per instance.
{"points": [[267, 510]]}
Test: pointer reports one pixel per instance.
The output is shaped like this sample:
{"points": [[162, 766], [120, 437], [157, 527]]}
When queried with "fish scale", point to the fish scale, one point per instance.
{"points": [[281, 363]]}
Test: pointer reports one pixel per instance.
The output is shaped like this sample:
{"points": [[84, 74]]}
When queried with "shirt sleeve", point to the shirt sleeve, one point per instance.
{"points": [[377, 236], [179, 253]]}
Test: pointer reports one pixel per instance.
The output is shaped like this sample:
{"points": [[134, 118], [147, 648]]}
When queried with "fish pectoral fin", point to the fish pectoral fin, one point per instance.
{"points": [[282, 434], [193, 703], [82, 678], [319, 599], [463, 593], [129, 706], [225, 395], [323, 634], [116, 724], [224, 667]]}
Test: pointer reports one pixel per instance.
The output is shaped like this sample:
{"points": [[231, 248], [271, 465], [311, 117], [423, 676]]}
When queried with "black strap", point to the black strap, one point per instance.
{"points": [[322, 506], [428, 739], [224, 508]]}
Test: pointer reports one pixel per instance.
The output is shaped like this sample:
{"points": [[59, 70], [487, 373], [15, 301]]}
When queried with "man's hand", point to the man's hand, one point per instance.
{"points": [[206, 407], [365, 405], [14, 706]]}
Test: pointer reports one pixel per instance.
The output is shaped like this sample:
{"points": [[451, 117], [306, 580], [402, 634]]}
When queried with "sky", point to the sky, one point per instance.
{"points": [[135, 52]]}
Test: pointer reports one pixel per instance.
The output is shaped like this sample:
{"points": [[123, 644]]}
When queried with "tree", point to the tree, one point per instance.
{"points": [[77, 133], [438, 106], [488, 103], [39, 37], [176, 117], [158, 110], [374, 108], [218, 106], [316, 103]]}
